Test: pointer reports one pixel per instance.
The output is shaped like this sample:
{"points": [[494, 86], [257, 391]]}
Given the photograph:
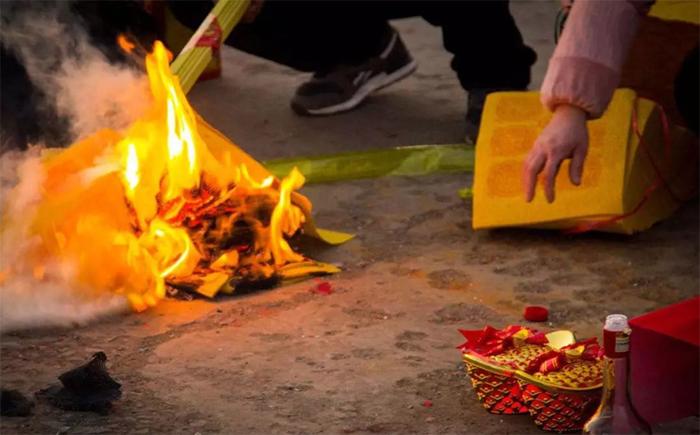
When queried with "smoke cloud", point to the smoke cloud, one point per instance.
{"points": [[77, 78], [26, 302], [81, 85]]}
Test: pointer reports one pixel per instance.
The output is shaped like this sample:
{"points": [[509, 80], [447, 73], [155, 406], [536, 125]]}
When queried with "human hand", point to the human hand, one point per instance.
{"points": [[565, 137]]}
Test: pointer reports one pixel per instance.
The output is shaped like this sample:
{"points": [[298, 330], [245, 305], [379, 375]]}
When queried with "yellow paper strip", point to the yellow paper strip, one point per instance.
{"points": [[329, 236], [400, 161], [307, 268]]}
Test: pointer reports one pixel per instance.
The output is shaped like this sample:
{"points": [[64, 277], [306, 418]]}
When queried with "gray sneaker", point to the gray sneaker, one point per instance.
{"points": [[345, 87]]}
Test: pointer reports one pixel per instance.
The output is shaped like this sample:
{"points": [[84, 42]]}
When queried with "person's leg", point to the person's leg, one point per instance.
{"points": [[372, 56], [489, 52], [488, 48], [308, 36], [686, 90], [349, 46]]}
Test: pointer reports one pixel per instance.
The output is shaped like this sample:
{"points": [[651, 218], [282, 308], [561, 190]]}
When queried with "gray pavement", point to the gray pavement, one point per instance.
{"points": [[365, 358]]}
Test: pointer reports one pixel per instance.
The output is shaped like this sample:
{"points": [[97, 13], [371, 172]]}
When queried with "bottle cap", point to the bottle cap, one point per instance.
{"points": [[616, 322]]}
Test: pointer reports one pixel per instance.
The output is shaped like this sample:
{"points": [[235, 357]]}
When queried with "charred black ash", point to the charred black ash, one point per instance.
{"points": [[85, 388], [233, 221], [14, 404]]}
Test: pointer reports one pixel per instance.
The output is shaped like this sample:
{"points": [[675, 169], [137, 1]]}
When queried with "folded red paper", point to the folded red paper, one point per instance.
{"points": [[665, 346]]}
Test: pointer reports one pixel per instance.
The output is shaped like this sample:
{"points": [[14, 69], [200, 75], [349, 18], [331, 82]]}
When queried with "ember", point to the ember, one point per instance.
{"points": [[171, 203]]}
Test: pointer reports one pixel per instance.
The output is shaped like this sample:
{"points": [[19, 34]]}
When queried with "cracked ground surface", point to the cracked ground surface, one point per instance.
{"points": [[366, 357]]}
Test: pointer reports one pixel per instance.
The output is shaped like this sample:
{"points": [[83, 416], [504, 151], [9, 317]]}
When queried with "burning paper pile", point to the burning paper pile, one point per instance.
{"points": [[169, 204]]}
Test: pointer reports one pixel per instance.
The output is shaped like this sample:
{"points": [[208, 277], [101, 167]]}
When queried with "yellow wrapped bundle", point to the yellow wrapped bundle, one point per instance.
{"points": [[637, 171]]}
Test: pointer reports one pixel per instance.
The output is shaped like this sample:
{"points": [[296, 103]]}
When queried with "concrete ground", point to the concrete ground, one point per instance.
{"points": [[364, 358]]}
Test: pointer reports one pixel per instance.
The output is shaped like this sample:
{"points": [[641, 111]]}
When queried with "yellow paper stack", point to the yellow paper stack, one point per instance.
{"points": [[677, 10], [618, 175], [194, 58]]}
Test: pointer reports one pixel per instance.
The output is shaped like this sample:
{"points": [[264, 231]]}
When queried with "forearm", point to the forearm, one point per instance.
{"points": [[586, 65]]}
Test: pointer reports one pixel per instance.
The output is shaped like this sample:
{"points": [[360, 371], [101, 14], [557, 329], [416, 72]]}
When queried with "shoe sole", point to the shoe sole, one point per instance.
{"points": [[374, 84]]}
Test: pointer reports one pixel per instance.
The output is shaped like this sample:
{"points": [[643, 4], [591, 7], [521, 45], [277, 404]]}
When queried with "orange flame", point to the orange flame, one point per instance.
{"points": [[113, 203], [164, 157], [125, 44]]}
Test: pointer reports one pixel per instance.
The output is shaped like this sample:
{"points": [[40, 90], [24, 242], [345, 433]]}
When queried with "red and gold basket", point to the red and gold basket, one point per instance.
{"points": [[518, 370], [562, 389], [493, 356]]}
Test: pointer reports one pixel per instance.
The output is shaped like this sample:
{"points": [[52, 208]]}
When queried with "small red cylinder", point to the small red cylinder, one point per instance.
{"points": [[536, 314]]}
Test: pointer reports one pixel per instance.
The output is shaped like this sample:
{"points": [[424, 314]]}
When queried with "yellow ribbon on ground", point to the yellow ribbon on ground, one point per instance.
{"points": [[399, 161]]}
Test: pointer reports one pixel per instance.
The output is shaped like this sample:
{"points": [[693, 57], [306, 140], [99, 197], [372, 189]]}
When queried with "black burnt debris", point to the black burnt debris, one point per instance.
{"points": [[85, 388], [14, 404], [230, 229]]}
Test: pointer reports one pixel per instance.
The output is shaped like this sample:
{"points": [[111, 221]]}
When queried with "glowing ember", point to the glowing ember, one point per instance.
{"points": [[125, 44], [160, 207]]}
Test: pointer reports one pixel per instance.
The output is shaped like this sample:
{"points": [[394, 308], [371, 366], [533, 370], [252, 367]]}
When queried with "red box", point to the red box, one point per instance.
{"points": [[665, 347]]}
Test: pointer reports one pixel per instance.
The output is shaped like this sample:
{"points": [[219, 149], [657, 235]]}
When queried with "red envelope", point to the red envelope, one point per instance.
{"points": [[665, 362]]}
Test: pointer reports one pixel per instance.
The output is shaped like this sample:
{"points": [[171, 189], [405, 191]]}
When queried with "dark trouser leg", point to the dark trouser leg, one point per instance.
{"points": [[489, 52], [488, 49], [686, 90], [306, 36]]}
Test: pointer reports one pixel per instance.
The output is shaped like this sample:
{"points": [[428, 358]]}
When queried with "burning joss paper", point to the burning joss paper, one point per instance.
{"points": [[170, 203]]}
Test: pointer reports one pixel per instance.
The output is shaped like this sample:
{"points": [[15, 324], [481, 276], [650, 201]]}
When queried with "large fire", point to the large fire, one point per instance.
{"points": [[167, 204]]}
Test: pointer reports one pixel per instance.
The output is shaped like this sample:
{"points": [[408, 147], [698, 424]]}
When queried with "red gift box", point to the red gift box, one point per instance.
{"points": [[665, 346]]}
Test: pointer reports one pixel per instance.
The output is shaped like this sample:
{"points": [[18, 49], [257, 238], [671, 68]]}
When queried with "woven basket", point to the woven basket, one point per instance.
{"points": [[496, 385], [562, 401], [560, 397], [500, 394]]}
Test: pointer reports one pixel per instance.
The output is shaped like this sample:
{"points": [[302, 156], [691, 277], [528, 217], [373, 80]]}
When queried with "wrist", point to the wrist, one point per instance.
{"points": [[570, 111]]}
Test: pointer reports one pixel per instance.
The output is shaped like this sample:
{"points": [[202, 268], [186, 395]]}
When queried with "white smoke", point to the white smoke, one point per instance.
{"points": [[79, 81], [82, 85], [26, 302], [28, 305]]}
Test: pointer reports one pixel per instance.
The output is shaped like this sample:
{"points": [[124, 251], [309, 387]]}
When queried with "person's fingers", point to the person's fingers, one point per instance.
{"points": [[576, 167], [550, 173], [534, 163]]}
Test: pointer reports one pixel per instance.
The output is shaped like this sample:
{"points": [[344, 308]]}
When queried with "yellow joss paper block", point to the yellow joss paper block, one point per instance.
{"points": [[617, 176], [677, 10]]}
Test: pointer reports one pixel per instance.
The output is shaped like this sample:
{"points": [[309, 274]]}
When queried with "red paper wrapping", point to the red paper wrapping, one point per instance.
{"points": [[211, 37], [556, 359], [491, 341], [665, 346]]}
